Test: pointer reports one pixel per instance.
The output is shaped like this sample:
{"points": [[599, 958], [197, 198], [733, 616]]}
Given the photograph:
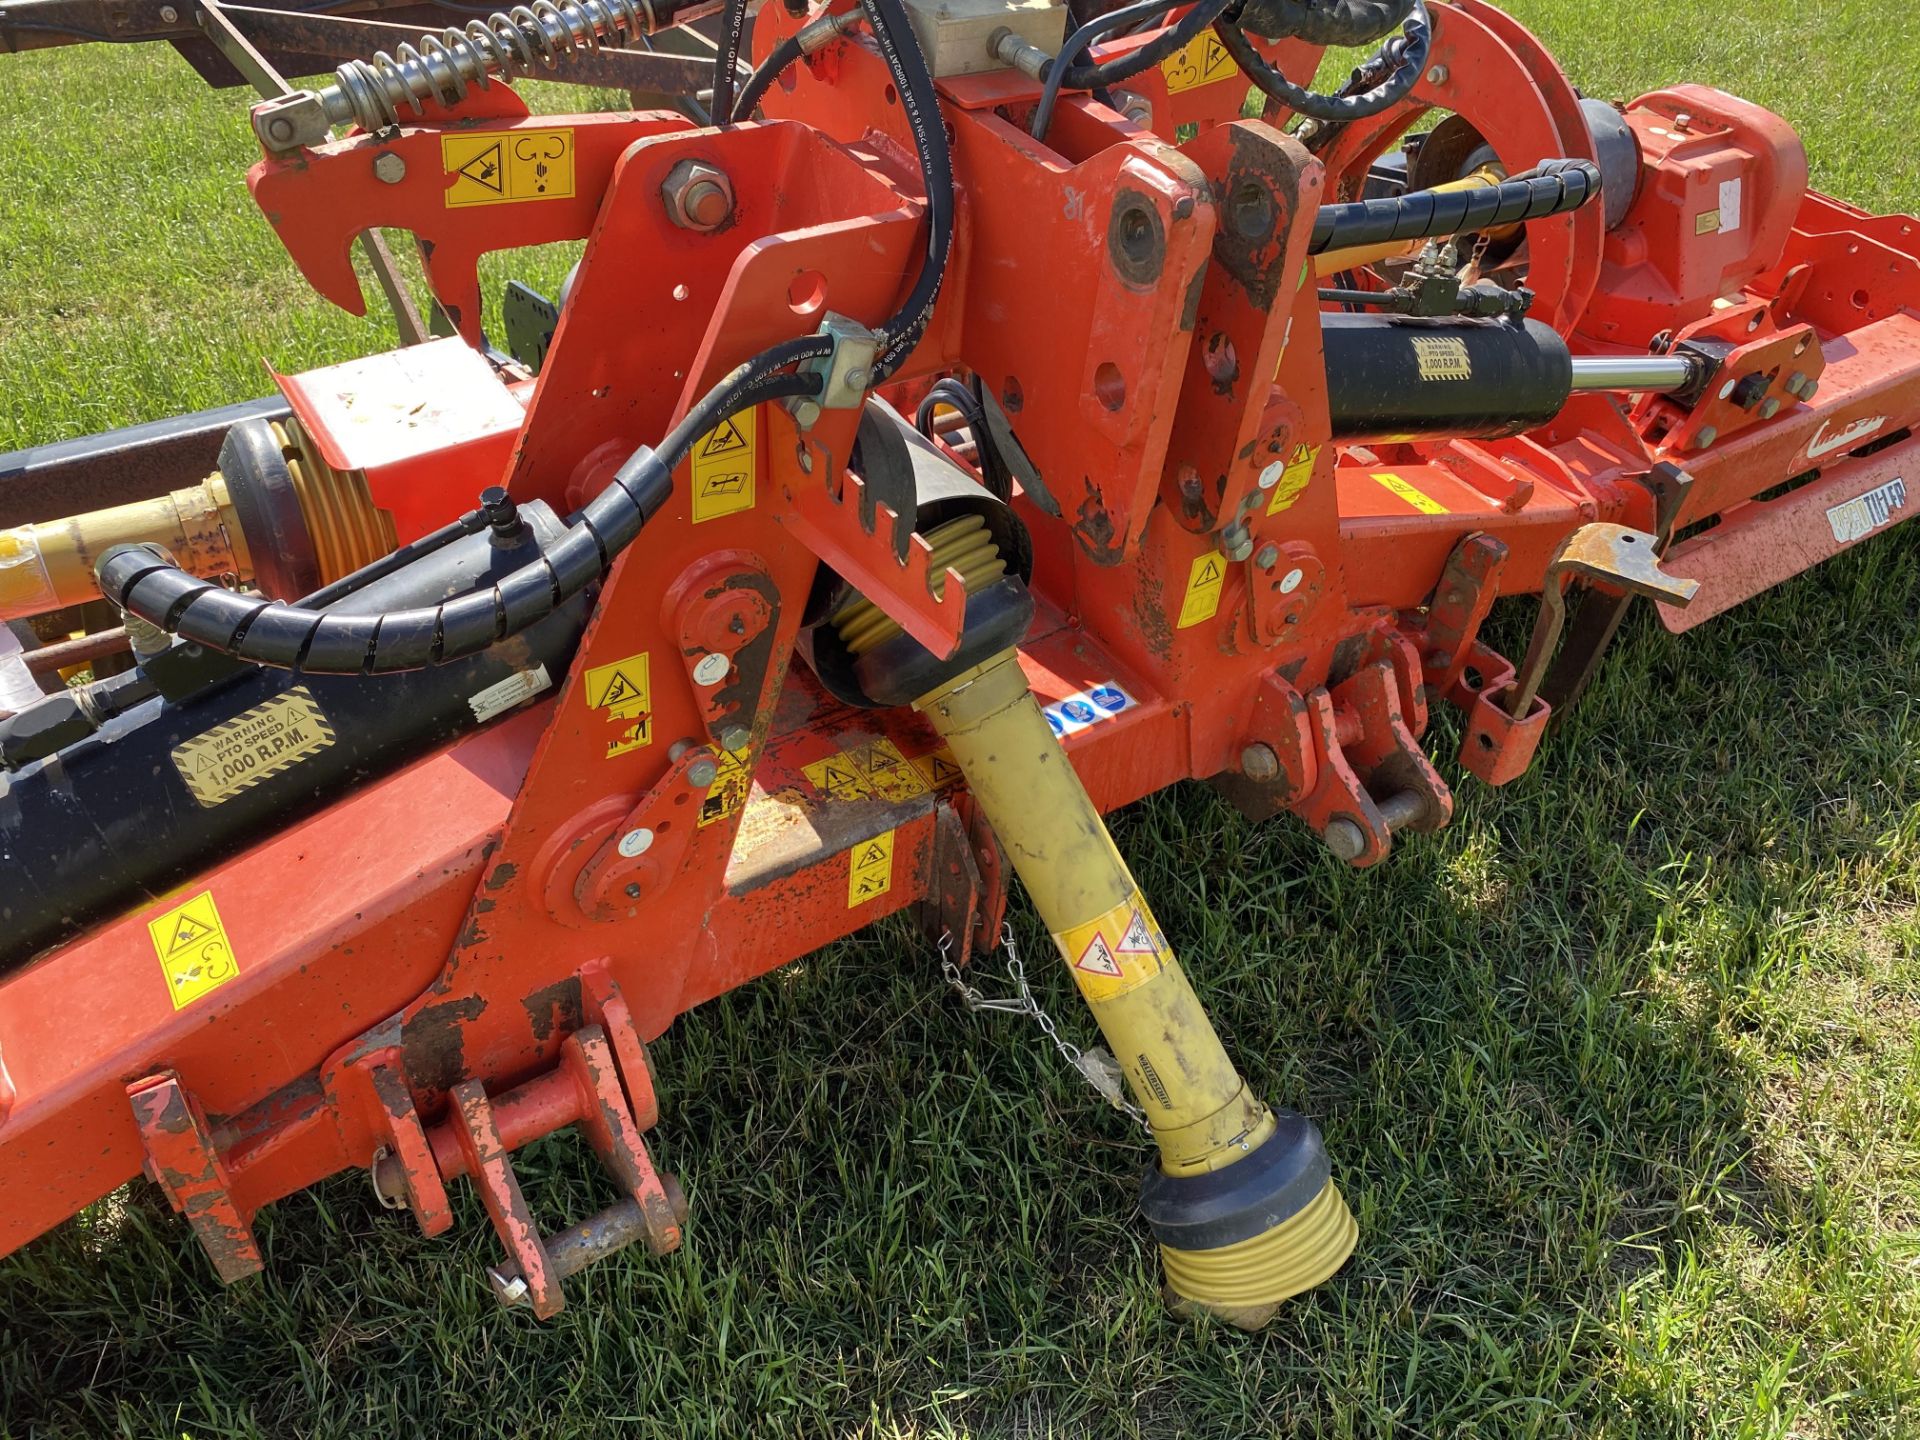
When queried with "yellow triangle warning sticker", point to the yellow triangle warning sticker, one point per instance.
{"points": [[874, 854], [1098, 959], [1209, 573], [485, 169], [186, 932], [722, 438], [1139, 937]]}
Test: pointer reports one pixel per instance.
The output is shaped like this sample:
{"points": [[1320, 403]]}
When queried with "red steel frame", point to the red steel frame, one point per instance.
{"points": [[483, 965]]}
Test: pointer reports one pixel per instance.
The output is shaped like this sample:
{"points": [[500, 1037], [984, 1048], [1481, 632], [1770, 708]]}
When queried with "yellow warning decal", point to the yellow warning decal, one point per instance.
{"points": [[1204, 580], [870, 869], [1442, 357], [502, 167], [1707, 222], [1203, 60], [723, 468], [939, 769], [256, 744], [1293, 479], [1120, 951], [731, 783], [873, 771], [192, 945], [1418, 499], [624, 690]]}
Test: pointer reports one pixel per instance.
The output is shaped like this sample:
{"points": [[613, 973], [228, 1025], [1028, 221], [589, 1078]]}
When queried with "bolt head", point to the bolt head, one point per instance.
{"points": [[1437, 75], [711, 668], [1810, 389], [1237, 542], [636, 842], [735, 738], [1704, 440], [1769, 409], [805, 411], [703, 772], [1259, 763], [1345, 839], [169, 15], [389, 168], [697, 196], [1268, 557]]}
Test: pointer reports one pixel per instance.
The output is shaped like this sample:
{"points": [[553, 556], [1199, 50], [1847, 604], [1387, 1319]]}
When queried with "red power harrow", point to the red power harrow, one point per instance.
{"points": [[982, 394]]}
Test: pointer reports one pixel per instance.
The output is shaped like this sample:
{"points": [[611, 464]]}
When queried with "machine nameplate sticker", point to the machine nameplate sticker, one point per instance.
{"points": [[624, 690], [1203, 60], [1864, 514], [723, 468], [256, 745], [194, 952], [503, 695], [1442, 357], [1414, 496], [1120, 951], [1205, 578], [503, 167], [870, 869]]}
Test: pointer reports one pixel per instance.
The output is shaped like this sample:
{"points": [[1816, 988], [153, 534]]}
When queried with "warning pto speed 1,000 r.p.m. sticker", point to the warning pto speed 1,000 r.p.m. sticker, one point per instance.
{"points": [[253, 746]]}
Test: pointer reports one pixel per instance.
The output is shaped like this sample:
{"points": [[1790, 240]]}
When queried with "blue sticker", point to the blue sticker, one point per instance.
{"points": [[1109, 698], [1080, 711], [1059, 726]]}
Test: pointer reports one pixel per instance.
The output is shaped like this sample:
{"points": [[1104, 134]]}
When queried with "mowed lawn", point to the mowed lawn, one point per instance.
{"points": [[1620, 1073]]}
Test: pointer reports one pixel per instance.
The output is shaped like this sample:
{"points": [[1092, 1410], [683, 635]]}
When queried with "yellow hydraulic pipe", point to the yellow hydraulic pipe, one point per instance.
{"points": [[1204, 1117], [45, 567]]}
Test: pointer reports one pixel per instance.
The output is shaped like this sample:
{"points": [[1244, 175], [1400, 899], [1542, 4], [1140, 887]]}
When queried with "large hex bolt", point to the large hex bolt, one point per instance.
{"points": [[698, 197]]}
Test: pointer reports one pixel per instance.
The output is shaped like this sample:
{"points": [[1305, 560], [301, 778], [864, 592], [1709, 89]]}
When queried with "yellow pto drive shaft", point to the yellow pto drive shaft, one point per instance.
{"points": [[274, 514], [1243, 1201]]}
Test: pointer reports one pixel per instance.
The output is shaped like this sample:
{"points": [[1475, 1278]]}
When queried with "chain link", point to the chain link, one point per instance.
{"points": [[1098, 1068]]}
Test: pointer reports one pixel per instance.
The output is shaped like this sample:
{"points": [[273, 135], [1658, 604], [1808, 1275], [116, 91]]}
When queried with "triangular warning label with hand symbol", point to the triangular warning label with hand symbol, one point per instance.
{"points": [[1139, 937], [187, 932], [1098, 959], [722, 438], [484, 169]]}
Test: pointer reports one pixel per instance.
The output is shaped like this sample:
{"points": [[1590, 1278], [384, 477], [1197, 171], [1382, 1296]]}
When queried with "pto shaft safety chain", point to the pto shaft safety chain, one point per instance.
{"points": [[371, 93], [1098, 1068]]}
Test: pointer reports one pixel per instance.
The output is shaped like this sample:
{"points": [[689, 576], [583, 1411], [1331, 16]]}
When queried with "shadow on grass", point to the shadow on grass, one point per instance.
{"points": [[1613, 1073]]}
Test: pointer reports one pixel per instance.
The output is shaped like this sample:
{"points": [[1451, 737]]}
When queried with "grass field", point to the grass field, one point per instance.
{"points": [[1620, 1073]]}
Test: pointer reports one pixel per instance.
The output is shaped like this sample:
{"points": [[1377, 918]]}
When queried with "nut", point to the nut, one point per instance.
{"points": [[389, 168], [697, 196], [1258, 762], [735, 738]]}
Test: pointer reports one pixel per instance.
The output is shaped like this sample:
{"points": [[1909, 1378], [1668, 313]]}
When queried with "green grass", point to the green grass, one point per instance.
{"points": [[1621, 1073]]}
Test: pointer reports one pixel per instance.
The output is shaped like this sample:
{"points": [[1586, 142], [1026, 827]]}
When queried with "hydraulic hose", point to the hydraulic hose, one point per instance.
{"points": [[1065, 72], [758, 83], [733, 25], [1554, 188], [1401, 59], [144, 582], [912, 78]]}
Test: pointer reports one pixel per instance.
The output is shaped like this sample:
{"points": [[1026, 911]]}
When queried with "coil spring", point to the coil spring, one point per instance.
{"points": [[441, 66]]}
